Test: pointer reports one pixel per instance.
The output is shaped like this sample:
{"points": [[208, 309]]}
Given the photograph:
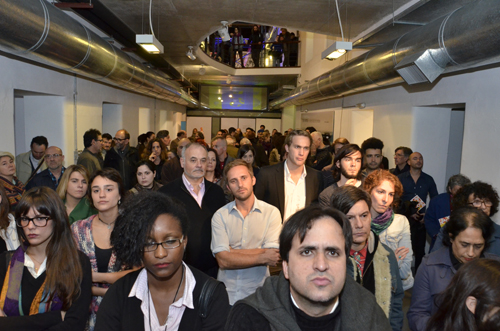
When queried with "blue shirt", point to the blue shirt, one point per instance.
{"points": [[424, 186]]}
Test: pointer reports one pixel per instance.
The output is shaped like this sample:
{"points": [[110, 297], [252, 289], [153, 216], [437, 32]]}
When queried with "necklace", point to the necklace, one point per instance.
{"points": [[109, 225], [39, 264], [175, 297]]}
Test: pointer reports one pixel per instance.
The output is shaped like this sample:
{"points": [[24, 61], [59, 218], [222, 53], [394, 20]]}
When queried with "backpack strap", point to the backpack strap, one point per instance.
{"points": [[206, 295]]}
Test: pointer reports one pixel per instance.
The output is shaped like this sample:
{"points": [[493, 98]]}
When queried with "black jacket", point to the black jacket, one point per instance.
{"points": [[270, 186], [126, 166], [120, 312], [198, 252], [42, 179]]}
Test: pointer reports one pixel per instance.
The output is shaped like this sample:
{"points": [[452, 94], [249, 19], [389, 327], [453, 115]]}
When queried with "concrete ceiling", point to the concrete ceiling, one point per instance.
{"points": [[180, 23]]}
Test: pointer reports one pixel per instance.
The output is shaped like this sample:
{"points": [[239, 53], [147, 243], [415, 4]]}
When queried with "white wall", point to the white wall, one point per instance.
{"points": [[59, 108]]}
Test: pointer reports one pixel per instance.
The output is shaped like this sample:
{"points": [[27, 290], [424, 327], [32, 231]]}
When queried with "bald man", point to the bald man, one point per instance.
{"points": [[123, 158], [51, 176], [323, 156], [417, 185]]}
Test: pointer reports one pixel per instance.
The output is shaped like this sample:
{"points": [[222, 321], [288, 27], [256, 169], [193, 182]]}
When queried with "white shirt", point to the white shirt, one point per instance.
{"points": [[30, 265], [259, 229], [9, 235], [140, 290], [198, 197], [295, 194], [35, 162]]}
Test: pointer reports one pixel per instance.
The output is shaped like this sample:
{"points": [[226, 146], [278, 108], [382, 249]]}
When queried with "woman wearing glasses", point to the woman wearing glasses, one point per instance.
{"points": [[92, 235], [45, 282], [13, 186], [165, 294], [72, 190]]}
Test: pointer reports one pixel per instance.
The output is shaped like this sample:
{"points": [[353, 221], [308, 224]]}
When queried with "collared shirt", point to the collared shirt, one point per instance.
{"points": [[230, 230], [30, 265], [295, 194], [198, 197], [140, 290], [360, 258], [424, 185], [34, 163]]}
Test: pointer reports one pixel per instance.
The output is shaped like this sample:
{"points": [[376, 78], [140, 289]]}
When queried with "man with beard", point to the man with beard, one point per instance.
{"points": [[371, 263], [201, 199], [245, 235], [372, 148], [347, 171], [416, 186]]}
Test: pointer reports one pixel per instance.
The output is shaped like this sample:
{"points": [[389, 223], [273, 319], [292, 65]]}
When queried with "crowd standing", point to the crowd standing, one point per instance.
{"points": [[245, 231]]}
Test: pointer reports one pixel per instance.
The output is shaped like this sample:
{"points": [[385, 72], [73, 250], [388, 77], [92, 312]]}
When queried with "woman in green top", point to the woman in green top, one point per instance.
{"points": [[72, 190]]}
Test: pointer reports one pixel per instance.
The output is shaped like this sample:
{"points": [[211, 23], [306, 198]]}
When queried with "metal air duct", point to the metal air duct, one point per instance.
{"points": [[37, 30], [462, 38]]}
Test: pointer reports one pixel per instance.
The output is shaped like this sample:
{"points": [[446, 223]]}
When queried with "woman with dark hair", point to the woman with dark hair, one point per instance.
{"points": [[72, 189], [156, 152], [213, 173], [278, 141], [142, 141], [467, 234], [13, 186], [46, 281], [247, 154], [8, 231], [92, 235], [393, 229], [476, 306], [146, 174], [166, 292], [238, 43]]}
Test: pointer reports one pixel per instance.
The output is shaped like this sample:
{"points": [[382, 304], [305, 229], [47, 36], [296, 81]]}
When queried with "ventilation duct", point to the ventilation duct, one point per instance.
{"points": [[463, 38], [37, 30]]}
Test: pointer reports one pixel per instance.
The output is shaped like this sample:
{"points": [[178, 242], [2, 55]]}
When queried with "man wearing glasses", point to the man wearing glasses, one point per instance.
{"points": [[91, 157], [123, 158], [50, 177]]}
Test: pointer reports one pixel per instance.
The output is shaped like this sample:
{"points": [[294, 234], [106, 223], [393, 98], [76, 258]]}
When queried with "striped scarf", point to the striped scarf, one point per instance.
{"points": [[10, 297]]}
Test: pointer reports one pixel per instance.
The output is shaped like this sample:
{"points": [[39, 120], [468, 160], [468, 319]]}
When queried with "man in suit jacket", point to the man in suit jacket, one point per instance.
{"points": [[291, 185]]}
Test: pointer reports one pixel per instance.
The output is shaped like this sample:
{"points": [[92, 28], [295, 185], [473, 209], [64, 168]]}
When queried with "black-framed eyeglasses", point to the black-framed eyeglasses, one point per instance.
{"points": [[167, 244], [55, 156], [38, 221], [119, 139]]}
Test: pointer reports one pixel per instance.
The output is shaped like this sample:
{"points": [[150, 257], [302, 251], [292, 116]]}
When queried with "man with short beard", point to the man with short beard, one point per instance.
{"points": [[245, 235], [347, 171], [372, 148]]}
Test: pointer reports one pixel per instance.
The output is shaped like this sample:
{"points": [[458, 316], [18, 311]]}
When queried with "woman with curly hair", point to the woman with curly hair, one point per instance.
{"points": [[166, 292], [476, 306], [466, 237], [72, 189], [393, 229], [46, 281], [156, 152], [8, 231]]}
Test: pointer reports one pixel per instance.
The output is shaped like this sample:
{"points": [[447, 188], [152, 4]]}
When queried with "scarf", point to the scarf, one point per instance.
{"points": [[14, 191], [382, 221], [10, 297]]}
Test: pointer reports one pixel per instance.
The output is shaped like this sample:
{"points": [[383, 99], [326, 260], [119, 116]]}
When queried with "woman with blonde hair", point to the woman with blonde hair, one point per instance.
{"points": [[393, 229], [72, 190]]}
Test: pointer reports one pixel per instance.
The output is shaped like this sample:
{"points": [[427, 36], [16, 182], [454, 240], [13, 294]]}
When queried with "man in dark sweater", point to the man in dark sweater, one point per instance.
{"points": [[201, 199], [123, 158], [312, 292]]}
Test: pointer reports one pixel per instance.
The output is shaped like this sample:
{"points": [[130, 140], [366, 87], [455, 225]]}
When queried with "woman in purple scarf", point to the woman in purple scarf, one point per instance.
{"points": [[46, 282], [393, 229]]}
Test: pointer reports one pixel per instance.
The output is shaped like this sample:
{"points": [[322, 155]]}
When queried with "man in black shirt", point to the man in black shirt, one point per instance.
{"points": [[312, 292], [401, 156]]}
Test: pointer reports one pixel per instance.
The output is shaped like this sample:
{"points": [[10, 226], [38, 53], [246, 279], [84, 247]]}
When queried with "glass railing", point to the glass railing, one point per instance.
{"points": [[245, 55]]}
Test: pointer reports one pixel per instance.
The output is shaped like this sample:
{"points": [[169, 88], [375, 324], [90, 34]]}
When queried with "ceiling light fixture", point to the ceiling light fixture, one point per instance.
{"points": [[149, 41], [190, 54], [338, 48]]}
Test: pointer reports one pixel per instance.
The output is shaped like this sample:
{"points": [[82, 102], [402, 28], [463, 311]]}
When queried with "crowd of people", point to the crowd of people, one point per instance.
{"points": [[249, 230], [258, 43]]}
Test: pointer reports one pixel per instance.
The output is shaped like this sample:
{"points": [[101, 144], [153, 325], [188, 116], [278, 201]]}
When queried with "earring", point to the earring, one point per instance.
{"points": [[119, 202]]}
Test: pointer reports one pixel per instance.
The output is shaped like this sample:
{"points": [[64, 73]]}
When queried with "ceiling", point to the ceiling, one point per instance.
{"points": [[180, 23]]}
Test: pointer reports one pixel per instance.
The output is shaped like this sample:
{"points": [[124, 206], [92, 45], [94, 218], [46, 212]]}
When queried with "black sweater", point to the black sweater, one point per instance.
{"points": [[119, 312], [198, 252], [76, 316]]}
